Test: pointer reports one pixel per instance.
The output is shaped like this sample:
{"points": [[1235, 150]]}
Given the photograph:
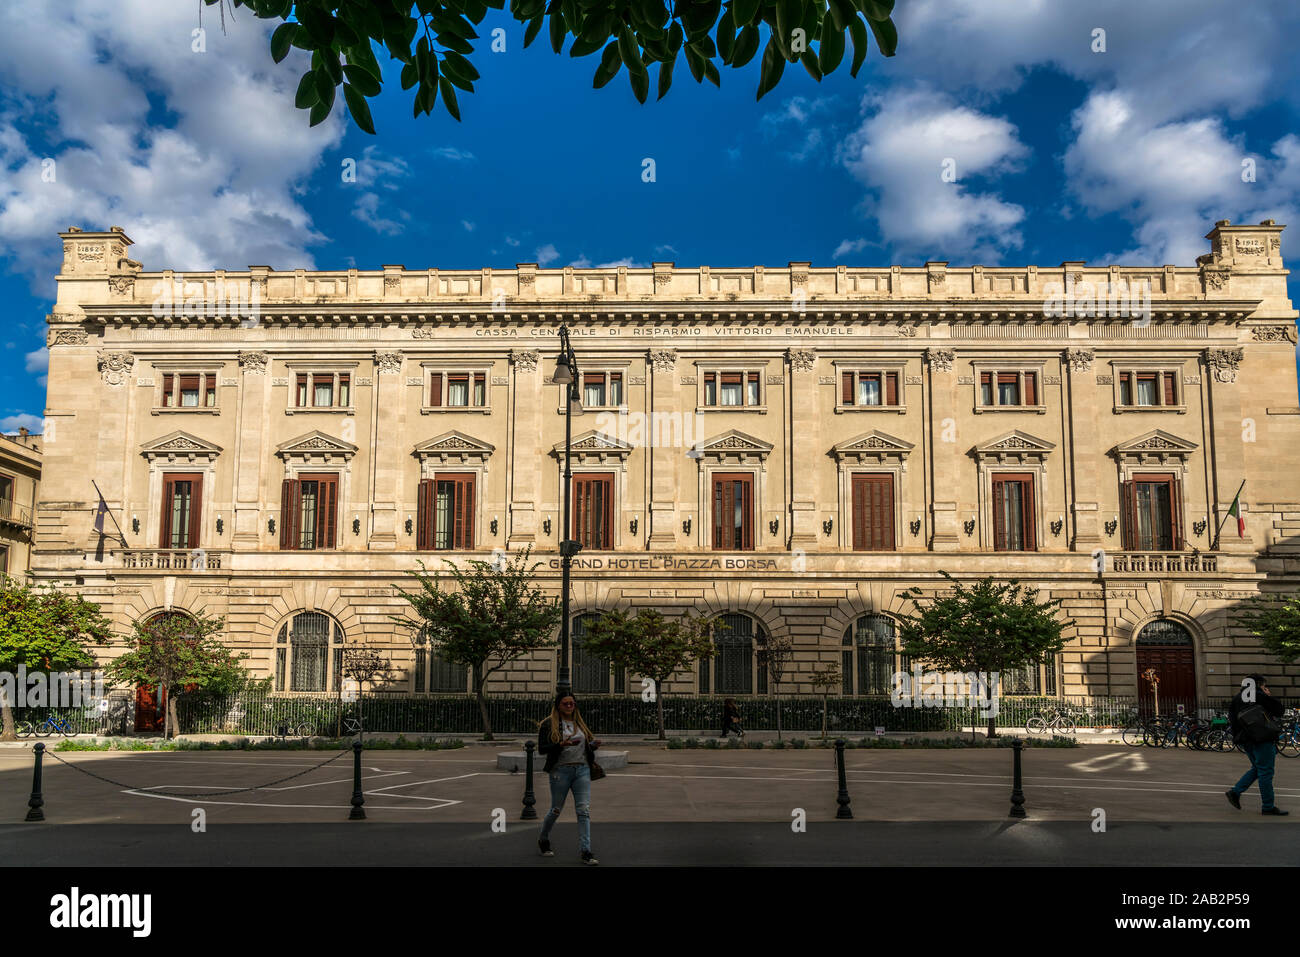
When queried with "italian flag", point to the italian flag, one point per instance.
{"points": [[1235, 512]]}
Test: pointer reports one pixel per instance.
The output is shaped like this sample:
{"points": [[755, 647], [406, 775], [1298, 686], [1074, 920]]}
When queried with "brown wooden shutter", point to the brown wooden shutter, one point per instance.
{"points": [[846, 388], [747, 512], [302, 397], [1027, 500], [165, 537], [479, 380], [327, 518], [1031, 389], [1176, 511], [719, 503], [710, 379], [424, 515], [435, 389], [1170, 398], [986, 379], [1128, 502], [753, 380], [891, 388], [465, 507], [859, 513], [1126, 389], [290, 507], [999, 521], [882, 516]]}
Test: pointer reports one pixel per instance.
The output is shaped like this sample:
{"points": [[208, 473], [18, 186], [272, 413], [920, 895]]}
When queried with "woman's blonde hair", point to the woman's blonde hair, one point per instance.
{"points": [[554, 719]]}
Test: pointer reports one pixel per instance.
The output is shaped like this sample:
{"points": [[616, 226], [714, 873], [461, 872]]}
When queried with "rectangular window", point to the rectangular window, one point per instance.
{"points": [[181, 510], [1153, 513], [873, 513], [593, 390], [733, 389], [323, 390], [458, 390], [1013, 513], [866, 389], [309, 512], [421, 660], [1009, 389], [4, 558], [6, 496], [593, 511], [733, 511], [189, 390], [1148, 389], [446, 512]]}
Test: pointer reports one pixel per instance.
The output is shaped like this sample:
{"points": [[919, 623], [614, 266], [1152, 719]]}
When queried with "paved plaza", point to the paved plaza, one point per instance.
{"points": [[666, 807]]}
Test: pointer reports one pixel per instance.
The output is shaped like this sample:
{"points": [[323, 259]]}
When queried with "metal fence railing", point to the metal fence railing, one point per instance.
{"points": [[264, 714]]}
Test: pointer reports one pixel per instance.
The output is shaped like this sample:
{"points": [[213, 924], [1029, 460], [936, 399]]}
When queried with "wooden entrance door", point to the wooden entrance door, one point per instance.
{"points": [[1170, 653]]}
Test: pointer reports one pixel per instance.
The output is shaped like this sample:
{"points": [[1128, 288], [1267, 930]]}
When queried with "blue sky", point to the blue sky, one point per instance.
{"points": [[1062, 152]]}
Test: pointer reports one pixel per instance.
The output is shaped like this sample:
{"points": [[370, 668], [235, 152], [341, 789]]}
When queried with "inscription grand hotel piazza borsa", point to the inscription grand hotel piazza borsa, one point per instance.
{"points": [[791, 447]]}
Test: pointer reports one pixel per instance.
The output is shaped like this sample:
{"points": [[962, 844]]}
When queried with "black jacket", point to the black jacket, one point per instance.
{"points": [[1272, 707], [552, 750]]}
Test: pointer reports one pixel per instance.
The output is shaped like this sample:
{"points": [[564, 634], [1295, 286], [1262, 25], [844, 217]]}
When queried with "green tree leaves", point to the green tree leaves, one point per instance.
{"points": [[343, 37]]}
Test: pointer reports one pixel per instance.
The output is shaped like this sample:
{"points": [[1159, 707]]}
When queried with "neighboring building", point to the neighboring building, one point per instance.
{"points": [[20, 477], [827, 437]]}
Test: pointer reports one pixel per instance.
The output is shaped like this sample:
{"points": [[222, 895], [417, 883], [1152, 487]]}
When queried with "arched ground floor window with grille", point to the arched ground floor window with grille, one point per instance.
{"points": [[309, 653]]}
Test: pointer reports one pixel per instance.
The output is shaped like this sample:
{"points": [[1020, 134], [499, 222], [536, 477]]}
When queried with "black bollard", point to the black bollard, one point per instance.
{"points": [[842, 799], [358, 814], [530, 812], [37, 800], [1017, 795]]}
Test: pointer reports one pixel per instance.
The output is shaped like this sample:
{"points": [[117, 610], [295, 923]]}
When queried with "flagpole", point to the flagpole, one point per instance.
{"points": [[120, 533], [1215, 546]]}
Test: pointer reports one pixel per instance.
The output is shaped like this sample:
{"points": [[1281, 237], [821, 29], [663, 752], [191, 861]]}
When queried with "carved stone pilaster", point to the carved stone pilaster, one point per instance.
{"points": [[254, 363], [525, 360], [388, 363], [802, 360], [940, 360], [663, 360], [1080, 360]]}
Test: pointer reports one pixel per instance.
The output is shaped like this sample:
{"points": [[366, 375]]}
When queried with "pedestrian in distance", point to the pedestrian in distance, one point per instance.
{"points": [[731, 718], [1253, 720], [570, 750]]}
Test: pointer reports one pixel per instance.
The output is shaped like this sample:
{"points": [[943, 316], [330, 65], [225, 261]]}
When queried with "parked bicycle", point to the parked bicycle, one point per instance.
{"points": [[44, 729], [302, 729], [1055, 720], [1288, 742]]}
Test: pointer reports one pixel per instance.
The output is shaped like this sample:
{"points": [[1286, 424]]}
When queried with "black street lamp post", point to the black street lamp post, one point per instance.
{"points": [[566, 374]]}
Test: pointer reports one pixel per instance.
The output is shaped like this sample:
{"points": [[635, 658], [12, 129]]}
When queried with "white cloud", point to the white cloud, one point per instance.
{"points": [[847, 246], [469, 227], [23, 420], [793, 124], [546, 255], [374, 169], [217, 188], [452, 153], [366, 209], [37, 363], [511, 241], [899, 153]]}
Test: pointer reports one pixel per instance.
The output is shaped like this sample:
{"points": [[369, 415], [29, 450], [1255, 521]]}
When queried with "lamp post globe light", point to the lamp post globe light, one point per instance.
{"points": [[566, 375]]}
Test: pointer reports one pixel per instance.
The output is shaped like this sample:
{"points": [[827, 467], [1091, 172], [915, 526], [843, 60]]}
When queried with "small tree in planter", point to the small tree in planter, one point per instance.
{"points": [[824, 680], [987, 627], [776, 653], [494, 616], [182, 655], [650, 645]]}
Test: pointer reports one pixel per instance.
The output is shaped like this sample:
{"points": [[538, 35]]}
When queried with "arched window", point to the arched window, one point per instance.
{"points": [[309, 653], [734, 668], [433, 673], [591, 674], [870, 656]]}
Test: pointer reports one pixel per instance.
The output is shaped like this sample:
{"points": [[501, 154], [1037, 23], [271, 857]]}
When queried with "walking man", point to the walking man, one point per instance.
{"points": [[1253, 719]]}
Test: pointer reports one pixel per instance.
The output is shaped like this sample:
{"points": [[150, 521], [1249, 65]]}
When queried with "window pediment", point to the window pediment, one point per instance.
{"points": [[732, 447], [1014, 447], [1156, 447], [453, 448], [593, 446], [316, 448], [872, 448], [180, 447]]}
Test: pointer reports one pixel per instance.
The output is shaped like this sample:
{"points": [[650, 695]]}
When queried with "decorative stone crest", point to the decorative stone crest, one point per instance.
{"points": [[392, 284], [1080, 359], [422, 332], [1224, 363], [1274, 333], [937, 279], [801, 360], [907, 332], [254, 363], [67, 337], [1216, 278], [663, 360], [122, 285], [940, 360], [527, 278], [388, 363], [115, 366], [525, 359]]}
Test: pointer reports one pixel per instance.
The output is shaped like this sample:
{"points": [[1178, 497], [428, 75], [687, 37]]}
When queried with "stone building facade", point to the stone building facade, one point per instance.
{"points": [[20, 477], [792, 447]]}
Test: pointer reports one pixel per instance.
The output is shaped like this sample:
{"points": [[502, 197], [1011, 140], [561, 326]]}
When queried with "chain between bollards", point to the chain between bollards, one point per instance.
{"points": [[358, 813], [530, 812], [1017, 795], [842, 799], [37, 800]]}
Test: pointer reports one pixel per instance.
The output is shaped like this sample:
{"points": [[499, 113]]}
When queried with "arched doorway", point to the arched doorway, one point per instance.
{"points": [[1166, 647], [151, 700]]}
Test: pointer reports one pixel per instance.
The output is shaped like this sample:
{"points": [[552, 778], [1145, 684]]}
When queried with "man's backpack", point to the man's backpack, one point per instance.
{"points": [[1256, 724]]}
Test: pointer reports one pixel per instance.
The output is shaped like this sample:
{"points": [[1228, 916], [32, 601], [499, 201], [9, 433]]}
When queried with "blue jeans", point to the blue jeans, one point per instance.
{"points": [[578, 778], [1261, 757]]}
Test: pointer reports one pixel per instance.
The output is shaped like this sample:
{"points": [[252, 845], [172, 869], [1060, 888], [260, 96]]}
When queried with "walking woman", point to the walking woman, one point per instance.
{"points": [[570, 748], [731, 718]]}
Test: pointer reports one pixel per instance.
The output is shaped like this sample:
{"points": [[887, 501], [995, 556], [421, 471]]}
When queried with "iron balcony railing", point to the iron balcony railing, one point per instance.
{"points": [[11, 513]]}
